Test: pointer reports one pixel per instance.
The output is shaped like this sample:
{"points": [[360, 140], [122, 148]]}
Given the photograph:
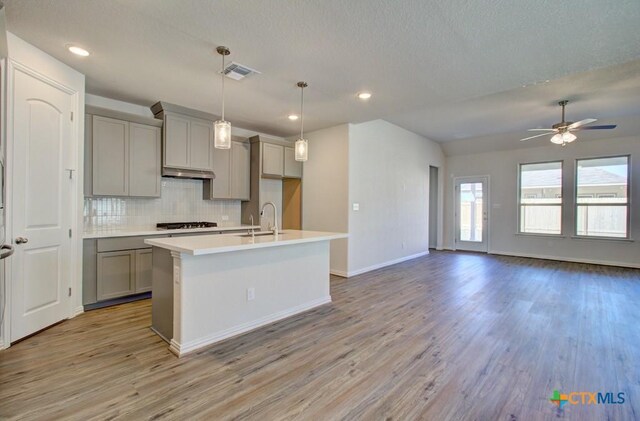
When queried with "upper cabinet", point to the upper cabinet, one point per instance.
{"points": [[122, 157], [187, 141], [292, 168], [144, 160], [232, 168], [272, 160], [277, 159]]}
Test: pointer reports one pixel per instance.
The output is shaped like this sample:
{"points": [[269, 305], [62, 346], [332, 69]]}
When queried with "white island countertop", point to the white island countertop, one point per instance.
{"points": [[135, 231], [211, 244]]}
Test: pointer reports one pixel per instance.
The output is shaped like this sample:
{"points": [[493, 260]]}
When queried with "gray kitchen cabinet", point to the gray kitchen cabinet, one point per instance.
{"points": [[220, 187], [292, 168], [122, 157], [143, 270], [187, 139], [110, 157], [201, 145], [272, 160], [233, 171], [116, 274], [240, 170], [144, 160], [176, 141]]}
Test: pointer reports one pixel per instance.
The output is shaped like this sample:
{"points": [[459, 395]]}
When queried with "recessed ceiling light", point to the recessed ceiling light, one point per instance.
{"points": [[293, 117], [364, 95], [78, 51]]}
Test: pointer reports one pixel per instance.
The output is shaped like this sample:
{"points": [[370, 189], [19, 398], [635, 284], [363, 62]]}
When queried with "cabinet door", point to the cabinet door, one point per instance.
{"points": [[144, 160], [272, 160], [201, 145], [176, 141], [222, 169], [144, 264], [110, 157], [292, 168], [240, 170], [116, 274]]}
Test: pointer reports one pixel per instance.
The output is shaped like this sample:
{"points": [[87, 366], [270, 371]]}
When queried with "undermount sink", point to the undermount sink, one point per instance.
{"points": [[260, 234]]}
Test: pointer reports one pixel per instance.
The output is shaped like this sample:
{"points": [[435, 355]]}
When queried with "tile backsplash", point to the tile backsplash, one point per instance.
{"points": [[181, 201]]}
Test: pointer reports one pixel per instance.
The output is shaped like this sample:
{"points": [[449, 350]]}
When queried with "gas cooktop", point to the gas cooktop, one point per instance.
{"points": [[184, 225]]}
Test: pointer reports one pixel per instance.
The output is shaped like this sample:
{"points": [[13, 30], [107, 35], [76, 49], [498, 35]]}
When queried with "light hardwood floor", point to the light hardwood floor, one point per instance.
{"points": [[450, 336]]}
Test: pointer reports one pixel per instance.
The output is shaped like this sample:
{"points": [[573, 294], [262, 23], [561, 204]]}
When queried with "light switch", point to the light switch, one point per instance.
{"points": [[356, 206]]}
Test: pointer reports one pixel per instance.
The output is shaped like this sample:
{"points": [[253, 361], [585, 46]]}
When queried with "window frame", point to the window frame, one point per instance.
{"points": [[561, 204], [576, 204]]}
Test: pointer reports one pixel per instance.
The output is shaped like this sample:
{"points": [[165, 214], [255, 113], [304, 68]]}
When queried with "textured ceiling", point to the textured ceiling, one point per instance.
{"points": [[446, 70]]}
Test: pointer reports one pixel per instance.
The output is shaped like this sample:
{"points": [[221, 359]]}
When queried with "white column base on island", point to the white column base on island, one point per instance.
{"points": [[209, 297]]}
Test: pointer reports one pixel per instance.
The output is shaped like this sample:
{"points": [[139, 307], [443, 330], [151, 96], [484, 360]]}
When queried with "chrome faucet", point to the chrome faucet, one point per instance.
{"points": [[253, 230], [275, 216]]}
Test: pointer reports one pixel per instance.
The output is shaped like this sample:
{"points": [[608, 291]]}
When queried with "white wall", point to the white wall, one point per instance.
{"points": [[325, 189], [502, 168], [389, 179]]}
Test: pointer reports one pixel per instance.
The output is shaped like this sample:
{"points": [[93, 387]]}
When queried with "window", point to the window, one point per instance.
{"points": [[602, 199], [541, 198]]}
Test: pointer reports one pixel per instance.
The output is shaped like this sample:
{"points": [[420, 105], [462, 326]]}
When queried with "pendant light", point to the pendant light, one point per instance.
{"points": [[221, 128], [302, 146]]}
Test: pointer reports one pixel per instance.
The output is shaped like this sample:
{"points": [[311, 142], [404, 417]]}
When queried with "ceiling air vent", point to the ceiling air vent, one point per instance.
{"points": [[238, 72]]}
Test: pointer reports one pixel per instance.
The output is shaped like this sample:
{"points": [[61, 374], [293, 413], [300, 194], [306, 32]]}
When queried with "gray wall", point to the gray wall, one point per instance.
{"points": [[502, 167], [389, 179], [325, 189]]}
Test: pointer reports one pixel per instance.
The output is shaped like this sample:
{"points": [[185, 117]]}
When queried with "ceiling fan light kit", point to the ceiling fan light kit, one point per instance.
{"points": [[562, 132]]}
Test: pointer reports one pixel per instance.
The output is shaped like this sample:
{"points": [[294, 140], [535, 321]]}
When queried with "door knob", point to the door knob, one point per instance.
{"points": [[21, 240]]}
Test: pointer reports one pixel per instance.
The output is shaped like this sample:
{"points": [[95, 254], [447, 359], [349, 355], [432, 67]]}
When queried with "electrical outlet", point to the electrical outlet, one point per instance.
{"points": [[225, 217], [251, 294], [356, 206], [164, 184]]}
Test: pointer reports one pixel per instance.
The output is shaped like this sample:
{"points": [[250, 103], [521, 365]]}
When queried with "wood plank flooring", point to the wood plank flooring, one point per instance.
{"points": [[450, 336]]}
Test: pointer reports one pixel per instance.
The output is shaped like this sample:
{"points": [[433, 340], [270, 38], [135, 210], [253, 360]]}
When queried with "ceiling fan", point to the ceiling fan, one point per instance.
{"points": [[562, 132]]}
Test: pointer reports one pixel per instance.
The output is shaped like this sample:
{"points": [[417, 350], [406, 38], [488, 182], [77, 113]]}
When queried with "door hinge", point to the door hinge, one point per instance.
{"points": [[70, 232], [69, 291], [71, 115]]}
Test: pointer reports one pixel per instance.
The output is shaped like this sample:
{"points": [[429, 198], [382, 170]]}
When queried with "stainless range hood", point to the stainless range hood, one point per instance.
{"points": [[183, 173]]}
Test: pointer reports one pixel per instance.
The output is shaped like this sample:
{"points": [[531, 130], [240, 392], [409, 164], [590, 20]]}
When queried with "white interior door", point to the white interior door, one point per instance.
{"points": [[472, 197], [41, 204]]}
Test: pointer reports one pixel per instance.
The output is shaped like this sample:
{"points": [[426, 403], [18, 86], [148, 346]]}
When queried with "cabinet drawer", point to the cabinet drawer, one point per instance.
{"points": [[124, 243]]}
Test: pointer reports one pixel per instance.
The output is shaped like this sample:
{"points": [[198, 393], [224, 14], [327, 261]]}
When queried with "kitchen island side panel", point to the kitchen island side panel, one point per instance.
{"points": [[213, 290], [162, 296]]}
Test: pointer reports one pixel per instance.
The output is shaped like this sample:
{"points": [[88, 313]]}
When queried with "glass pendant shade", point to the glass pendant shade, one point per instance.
{"points": [[222, 134], [301, 150], [563, 138]]}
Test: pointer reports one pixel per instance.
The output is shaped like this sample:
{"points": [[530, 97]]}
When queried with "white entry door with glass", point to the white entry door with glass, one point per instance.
{"points": [[472, 213]]}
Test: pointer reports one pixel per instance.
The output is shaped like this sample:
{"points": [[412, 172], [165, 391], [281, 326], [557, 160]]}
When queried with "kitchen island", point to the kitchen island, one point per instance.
{"points": [[212, 287]]}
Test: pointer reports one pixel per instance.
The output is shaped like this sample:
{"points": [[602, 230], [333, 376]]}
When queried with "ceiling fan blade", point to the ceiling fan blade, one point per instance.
{"points": [[582, 123], [538, 135], [540, 130], [603, 127]]}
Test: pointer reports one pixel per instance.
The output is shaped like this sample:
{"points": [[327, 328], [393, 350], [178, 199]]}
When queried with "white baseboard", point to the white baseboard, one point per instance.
{"points": [[567, 259], [77, 311], [182, 349], [387, 263]]}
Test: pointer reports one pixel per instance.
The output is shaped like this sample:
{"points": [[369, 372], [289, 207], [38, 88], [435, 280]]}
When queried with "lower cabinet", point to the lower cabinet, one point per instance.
{"points": [[144, 263], [116, 274], [115, 268]]}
